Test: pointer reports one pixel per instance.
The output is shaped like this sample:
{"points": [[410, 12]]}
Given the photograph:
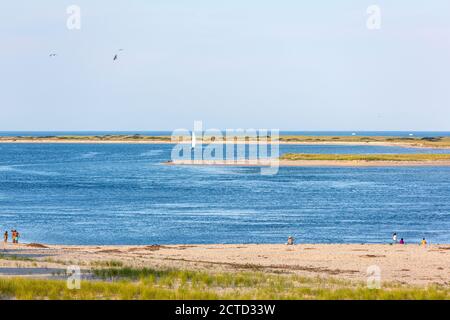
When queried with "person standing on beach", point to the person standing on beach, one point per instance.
{"points": [[423, 242], [394, 238], [5, 237], [13, 236]]}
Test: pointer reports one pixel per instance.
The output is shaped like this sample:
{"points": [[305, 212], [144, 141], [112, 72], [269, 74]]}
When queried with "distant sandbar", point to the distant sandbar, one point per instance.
{"points": [[310, 163], [430, 142]]}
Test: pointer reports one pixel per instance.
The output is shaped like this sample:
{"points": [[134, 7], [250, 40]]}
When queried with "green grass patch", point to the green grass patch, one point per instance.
{"points": [[129, 283], [366, 157], [434, 142], [14, 257], [124, 138], [412, 141], [108, 263]]}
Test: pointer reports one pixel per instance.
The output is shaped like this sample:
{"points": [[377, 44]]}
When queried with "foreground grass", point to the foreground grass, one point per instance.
{"points": [[366, 157], [14, 257], [128, 283]]}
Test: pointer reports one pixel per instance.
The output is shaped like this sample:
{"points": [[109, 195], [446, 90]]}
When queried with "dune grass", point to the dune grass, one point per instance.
{"points": [[129, 283], [14, 257], [433, 142], [366, 157], [107, 263], [124, 138]]}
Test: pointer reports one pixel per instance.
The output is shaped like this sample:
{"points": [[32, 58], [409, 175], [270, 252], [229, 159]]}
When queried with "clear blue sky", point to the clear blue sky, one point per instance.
{"points": [[283, 64]]}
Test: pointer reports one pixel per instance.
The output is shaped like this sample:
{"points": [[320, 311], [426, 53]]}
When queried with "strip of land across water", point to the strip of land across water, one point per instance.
{"points": [[227, 271], [426, 142], [333, 160]]}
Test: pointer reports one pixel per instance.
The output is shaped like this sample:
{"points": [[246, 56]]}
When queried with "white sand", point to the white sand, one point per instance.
{"points": [[409, 264], [328, 143], [312, 163]]}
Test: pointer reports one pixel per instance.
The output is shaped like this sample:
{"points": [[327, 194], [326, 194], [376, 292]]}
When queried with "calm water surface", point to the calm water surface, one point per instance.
{"points": [[122, 194]]}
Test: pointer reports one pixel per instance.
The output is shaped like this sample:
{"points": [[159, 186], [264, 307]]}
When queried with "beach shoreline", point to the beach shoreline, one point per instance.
{"points": [[409, 264], [309, 163], [323, 143]]}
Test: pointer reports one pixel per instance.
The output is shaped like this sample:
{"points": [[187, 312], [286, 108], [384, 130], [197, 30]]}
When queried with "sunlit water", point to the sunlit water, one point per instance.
{"points": [[122, 194]]}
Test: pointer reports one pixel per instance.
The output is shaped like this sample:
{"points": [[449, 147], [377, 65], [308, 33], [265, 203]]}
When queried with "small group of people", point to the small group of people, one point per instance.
{"points": [[394, 240], [14, 236]]}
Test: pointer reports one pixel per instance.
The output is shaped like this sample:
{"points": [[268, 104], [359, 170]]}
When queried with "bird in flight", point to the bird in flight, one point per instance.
{"points": [[116, 56], [52, 55]]}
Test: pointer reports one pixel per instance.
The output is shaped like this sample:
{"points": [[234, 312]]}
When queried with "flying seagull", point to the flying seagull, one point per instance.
{"points": [[116, 56], [52, 55]]}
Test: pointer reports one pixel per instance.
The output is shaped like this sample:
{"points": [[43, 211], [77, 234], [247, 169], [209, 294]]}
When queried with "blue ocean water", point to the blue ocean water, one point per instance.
{"points": [[122, 194]]}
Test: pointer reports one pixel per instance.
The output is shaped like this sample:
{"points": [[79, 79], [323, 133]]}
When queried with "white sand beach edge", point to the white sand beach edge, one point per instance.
{"points": [[406, 264], [325, 143], [311, 163]]}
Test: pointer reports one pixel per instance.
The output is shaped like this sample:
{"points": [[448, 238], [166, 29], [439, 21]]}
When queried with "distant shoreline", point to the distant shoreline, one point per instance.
{"points": [[39, 140]]}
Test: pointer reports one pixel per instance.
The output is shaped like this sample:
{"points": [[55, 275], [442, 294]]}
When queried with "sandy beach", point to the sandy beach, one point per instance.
{"points": [[311, 163], [405, 264], [324, 143]]}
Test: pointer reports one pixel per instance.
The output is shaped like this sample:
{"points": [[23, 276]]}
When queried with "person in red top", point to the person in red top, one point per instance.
{"points": [[401, 241]]}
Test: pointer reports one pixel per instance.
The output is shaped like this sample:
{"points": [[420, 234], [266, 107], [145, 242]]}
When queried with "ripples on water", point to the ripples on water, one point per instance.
{"points": [[122, 194]]}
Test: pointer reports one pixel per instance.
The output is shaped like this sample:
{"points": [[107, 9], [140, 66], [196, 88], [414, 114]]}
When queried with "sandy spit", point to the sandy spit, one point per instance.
{"points": [[331, 143], [311, 163]]}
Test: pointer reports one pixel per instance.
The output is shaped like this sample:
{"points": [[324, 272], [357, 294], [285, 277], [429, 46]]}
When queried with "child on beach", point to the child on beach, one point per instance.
{"points": [[290, 241], [402, 241], [423, 242]]}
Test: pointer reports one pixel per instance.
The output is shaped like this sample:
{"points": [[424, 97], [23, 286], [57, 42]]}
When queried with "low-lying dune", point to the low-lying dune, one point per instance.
{"points": [[312, 163], [416, 142]]}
